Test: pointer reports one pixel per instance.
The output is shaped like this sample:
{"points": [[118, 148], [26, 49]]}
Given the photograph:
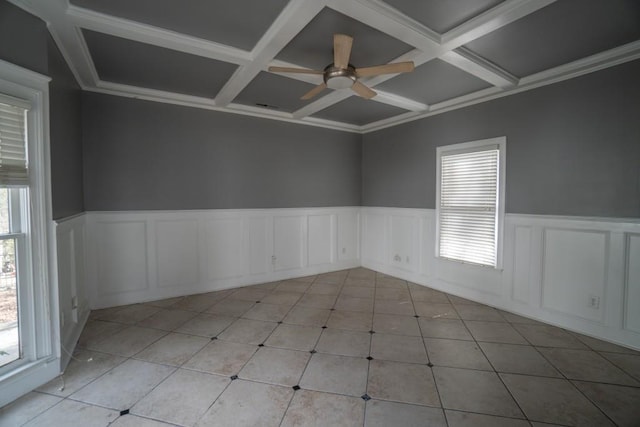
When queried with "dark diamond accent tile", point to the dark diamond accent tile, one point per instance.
{"points": [[324, 327], [233, 377], [365, 397], [260, 345], [369, 358], [372, 332], [214, 338], [257, 302], [430, 365], [313, 352], [124, 412], [332, 309], [280, 322], [416, 316], [296, 387]]}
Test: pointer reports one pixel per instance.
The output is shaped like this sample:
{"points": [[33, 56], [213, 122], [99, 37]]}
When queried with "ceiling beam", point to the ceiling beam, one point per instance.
{"points": [[472, 63], [149, 34], [295, 16]]}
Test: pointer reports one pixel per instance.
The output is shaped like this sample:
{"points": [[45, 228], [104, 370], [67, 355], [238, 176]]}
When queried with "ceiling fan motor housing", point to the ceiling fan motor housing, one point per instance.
{"points": [[339, 78]]}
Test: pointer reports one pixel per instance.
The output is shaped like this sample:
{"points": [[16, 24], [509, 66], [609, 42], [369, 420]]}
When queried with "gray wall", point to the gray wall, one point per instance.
{"points": [[573, 148], [25, 41], [141, 155], [65, 115]]}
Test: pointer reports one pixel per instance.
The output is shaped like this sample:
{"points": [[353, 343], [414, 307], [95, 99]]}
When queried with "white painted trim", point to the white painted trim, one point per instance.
{"points": [[468, 61]]}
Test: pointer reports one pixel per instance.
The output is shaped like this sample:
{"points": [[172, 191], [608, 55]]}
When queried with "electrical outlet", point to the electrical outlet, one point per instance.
{"points": [[397, 258], [594, 301], [273, 259]]}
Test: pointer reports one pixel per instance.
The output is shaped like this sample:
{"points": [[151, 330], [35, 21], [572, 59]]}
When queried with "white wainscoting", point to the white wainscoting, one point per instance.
{"points": [[147, 255], [72, 296], [579, 273]]}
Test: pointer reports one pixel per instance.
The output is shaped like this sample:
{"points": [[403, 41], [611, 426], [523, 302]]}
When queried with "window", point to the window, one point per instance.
{"points": [[29, 331], [470, 201]]}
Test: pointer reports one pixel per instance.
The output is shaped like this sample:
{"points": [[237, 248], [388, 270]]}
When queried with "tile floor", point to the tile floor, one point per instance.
{"points": [[350, 348]]}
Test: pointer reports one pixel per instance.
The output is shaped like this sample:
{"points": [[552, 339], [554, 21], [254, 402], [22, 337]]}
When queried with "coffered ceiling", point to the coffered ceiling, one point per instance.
{"points": [[215, 54]]}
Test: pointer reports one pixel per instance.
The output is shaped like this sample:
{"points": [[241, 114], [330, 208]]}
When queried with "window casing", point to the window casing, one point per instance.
{"points": [[470, 202]]}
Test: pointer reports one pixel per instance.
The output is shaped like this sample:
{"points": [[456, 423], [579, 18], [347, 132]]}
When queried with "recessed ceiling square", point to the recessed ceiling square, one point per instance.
{"points": [[358, 111], [443, 15], [124, 61], [313, 46], [275, 92], [562, 32], [237, 23], [433, 82]]}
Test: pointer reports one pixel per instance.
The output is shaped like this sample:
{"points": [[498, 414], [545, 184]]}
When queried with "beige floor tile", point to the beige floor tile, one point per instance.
{"points": [[173, 349], [360, 282], [284, 298], [317, 301], [518, 359], [390, 282], [231, 307], [130, 314], [206, 325], [618, 402], [74, 414], [26, 408], [135, 421], [344, 343], [324, 289], [358, 292], [402, 382], [182, 398], [627, 362], [423, 294], [350, 320], [467, 419], [221, 357], [364, 305], [553, 400], [387, 306], [250, 294], [124, 385], [334, 278], [85, 367], [313, 408], [362, 273], [384, 414], [246, 403], [336, 374], [267, 312], [198, 303], [461, 301], [128, 341], [478, 312], [494, 332], [294, 337], [444, 328], [456, 354], [167, 319], [98, 330], [430, 310], [276, 366], [396, 324], [548, 336], [586, 365], [604, 346], [397, 294], [164, 303], [514, 318], [293, 286], [399, 348], [307, 316], [474, 391], [248, 331]]}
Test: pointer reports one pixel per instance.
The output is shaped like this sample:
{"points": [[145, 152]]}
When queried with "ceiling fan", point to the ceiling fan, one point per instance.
{"points": [[342, 75]]}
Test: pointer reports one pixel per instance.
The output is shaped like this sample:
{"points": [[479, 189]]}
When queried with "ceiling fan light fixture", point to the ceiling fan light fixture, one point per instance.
{"points": [[339, 78]]}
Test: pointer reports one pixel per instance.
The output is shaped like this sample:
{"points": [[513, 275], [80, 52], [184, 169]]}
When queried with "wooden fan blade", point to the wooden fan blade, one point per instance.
{"points": [[313, 92], [363, 90], [341, 50], [398, 67], [294, 70]]}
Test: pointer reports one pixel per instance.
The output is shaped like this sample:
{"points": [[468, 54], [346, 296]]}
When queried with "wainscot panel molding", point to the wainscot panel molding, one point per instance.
{"points": [[72, 280], [578, 273], [140, 256]]}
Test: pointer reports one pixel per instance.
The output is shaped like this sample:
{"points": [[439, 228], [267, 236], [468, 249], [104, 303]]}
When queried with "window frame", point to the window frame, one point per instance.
{"points": [[42, 361], [469, 147]]}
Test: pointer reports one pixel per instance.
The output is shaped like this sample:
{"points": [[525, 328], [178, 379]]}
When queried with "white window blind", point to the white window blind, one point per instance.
{"points": [[13, 148], [468, 206]]}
